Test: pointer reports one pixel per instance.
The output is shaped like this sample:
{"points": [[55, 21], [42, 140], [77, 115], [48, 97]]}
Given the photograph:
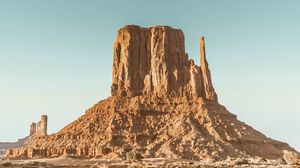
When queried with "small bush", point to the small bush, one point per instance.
{"points": [[6, 164], [133, 156], [241, 161]]}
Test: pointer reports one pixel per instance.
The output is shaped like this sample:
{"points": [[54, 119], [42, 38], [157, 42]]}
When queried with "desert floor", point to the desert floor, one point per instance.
{"points": [[67, 162]]}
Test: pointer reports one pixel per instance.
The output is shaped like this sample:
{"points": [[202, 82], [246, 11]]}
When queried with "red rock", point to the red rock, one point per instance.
{"points": [[153, 61], [162, 105], [209, 91]]}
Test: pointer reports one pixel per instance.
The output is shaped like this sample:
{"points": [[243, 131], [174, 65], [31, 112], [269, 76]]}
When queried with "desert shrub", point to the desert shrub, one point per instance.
{"points": [[6, 164], [241, 161], [133, 156]]}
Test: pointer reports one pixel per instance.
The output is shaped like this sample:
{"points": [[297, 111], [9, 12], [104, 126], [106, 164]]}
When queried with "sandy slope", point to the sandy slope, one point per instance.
{"points": [[156, 127]]}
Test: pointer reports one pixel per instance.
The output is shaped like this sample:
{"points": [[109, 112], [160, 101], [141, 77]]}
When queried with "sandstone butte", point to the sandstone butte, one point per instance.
{"points": [[162, 105], [36, 130]]}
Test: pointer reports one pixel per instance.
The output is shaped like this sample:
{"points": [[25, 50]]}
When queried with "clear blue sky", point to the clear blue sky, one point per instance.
{"points": [[56, 57]]}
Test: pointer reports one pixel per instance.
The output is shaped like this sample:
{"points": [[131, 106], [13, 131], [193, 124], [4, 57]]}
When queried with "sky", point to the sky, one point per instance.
{"points": [[56, 57]]}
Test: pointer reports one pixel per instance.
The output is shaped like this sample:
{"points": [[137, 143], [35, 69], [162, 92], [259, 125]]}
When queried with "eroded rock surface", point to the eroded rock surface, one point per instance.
{"points": [[4, 146], [153, 61], [36, 130], [156, 127], [39, 128], [162, 105], [209, 91]]}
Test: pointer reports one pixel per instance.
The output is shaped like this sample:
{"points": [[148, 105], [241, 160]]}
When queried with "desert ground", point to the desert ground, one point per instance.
{"points": [[69, 162]]}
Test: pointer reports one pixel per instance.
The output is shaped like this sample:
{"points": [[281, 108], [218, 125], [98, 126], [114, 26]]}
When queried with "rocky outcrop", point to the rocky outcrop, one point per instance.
{"points": [[291, 158], [156, 127], [36, 130], [9, 145], [153, 61], [40, 128], [162, 105]]}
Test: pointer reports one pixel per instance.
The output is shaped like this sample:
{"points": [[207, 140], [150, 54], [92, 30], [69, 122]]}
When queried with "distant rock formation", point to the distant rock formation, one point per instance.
{"points": [[162, 105], [40, 128], [4, 146], [36, 130]]}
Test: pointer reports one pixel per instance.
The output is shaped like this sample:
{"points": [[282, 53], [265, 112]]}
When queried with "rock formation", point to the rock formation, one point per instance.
{"points": [[209, 91], [153, 61], [36, 130], [162, 105], [40, 128], [9, 145]]}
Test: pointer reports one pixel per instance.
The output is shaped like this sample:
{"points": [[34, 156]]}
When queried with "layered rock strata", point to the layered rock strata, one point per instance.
{"points": [[162, 105], [155, 127]]}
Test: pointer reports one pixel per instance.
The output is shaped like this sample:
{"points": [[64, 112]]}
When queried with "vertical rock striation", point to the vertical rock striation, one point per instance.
{"points": [[209, 91], [162, 105], [153, 61]]}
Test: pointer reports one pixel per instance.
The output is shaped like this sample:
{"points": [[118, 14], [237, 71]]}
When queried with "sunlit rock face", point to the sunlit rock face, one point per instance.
{"points": [[162, 105], [153, 61]]}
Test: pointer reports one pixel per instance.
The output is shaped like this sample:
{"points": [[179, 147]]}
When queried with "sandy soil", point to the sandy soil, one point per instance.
{"points": [[65, 162]]}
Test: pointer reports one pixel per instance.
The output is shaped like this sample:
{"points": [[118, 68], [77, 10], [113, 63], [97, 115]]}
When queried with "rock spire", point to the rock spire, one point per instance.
{"points": [[209, 91], [40, 128]]}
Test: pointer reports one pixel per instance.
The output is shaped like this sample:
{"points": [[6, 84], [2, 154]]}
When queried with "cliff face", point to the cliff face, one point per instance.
{"points": [[162, 105], [153, 61]]}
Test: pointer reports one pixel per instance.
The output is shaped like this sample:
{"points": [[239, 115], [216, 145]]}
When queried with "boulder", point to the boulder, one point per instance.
{"points": [[291, 157]]}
